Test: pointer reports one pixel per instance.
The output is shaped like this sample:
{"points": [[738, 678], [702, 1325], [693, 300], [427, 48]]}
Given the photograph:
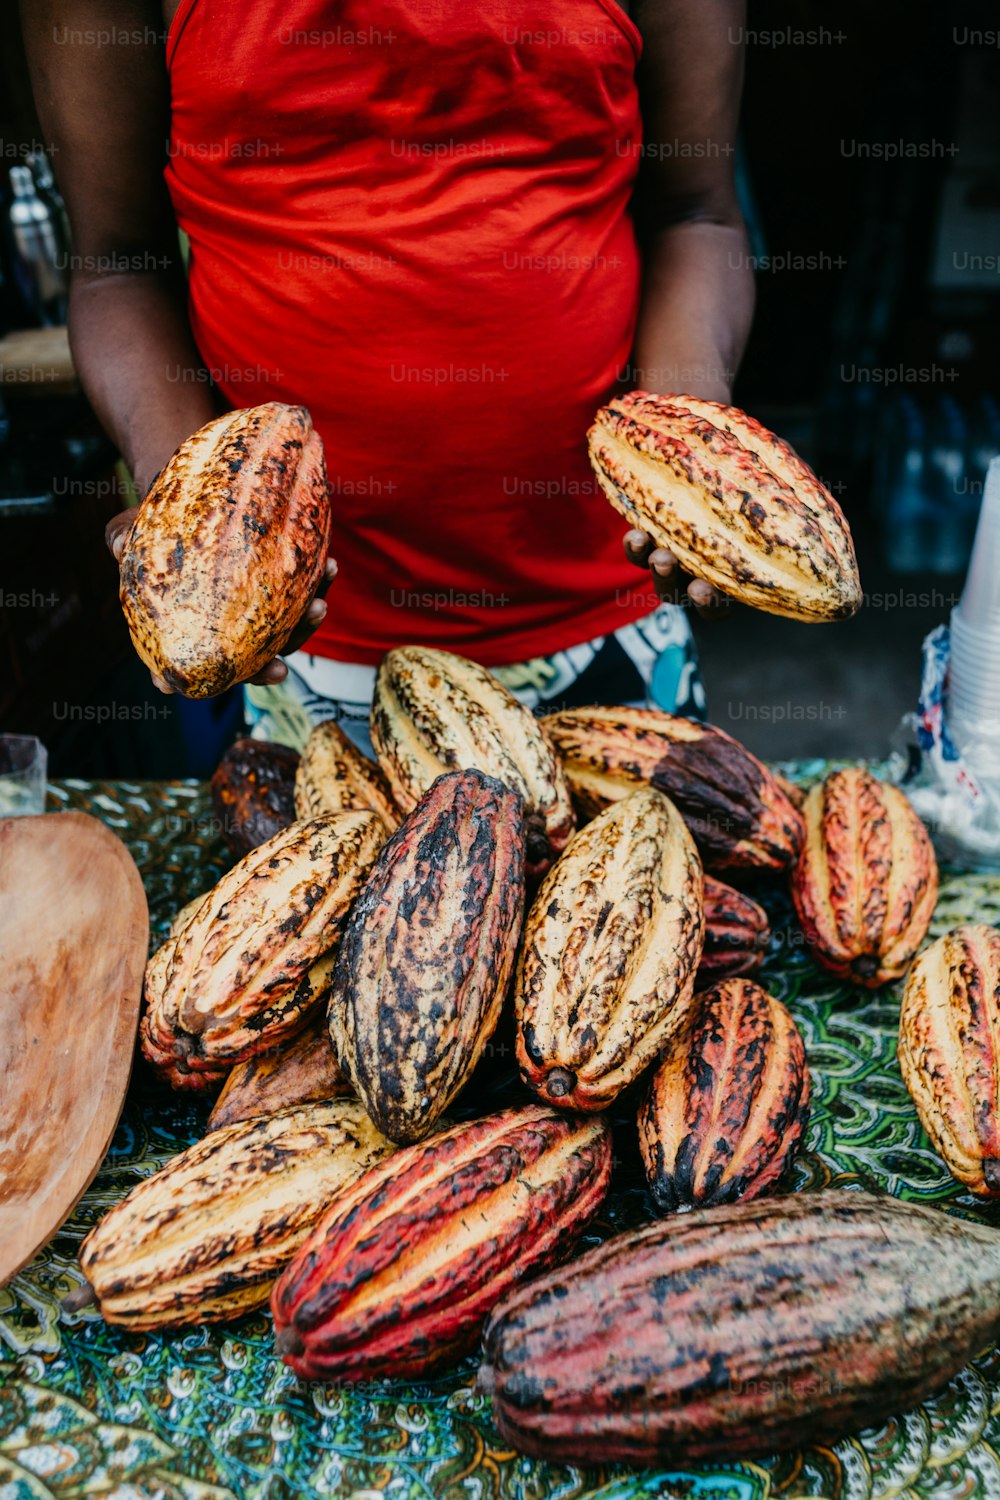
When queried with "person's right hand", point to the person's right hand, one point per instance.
{"points": [[672, 584], [273, 671]]}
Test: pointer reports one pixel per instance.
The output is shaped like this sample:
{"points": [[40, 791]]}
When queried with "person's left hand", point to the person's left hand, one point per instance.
{"points": [[672, 584]]}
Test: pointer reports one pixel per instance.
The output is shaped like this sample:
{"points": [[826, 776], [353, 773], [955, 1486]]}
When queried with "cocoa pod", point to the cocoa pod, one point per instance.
{"points": [[255, 959], [203, 1238], [433, 711], [428, 952], [399, 1273], [731, 501], [183, 917], [948, 1026], [302, 1071], [227, 549], [333, 776], [739, 815], [795, 793], [253, 793], [737, 933], [611, 947], [866, 884], [726, 1109], [741, 1330]]}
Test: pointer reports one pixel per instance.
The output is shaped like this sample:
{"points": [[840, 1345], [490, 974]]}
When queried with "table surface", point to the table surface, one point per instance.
{"points": [[86, 1409]]}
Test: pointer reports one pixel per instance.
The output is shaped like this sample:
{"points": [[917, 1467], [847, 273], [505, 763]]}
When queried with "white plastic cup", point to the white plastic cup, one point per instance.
{"points": [[973, 706], [980, 603]]}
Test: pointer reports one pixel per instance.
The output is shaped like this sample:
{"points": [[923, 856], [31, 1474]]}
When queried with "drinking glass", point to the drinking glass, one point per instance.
{"points": [[23, 760]]}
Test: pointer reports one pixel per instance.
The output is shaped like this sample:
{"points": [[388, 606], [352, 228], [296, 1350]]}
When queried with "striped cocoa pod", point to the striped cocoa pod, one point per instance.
{"points": [[301, 1071], [740, 817], [727, 1107], [866, 884], [227, 549], [730, 500], [254, 960], [948, 1054], [739, 1330], [737, 933], [253, 793], [428, 952], [405, 1264], [203, 1239], [611, 948], [433, 711], [333, 776]]}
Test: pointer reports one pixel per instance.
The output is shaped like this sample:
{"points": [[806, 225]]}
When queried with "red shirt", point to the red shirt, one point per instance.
{"points": [[412, 217]]}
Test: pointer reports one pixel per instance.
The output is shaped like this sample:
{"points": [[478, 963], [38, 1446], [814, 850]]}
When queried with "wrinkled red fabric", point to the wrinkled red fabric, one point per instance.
{"points": [[412, 217]]}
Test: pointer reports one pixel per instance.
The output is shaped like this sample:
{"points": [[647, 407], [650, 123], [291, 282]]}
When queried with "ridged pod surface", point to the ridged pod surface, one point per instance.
{"points": [[737, 933], [949, 1051], [203, 1239], [866, 884], [726, 1108], [740, 817], [611, 947], [227, 549], [255, 959], [253, 793], [732, 502], [428, 952], [333, 776], [398, 1275], [433, 711], [302, 1071], [742, 1330]]}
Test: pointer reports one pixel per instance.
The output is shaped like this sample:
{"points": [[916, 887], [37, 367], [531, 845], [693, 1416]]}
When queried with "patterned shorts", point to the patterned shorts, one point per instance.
{"points": [[651, 662]]}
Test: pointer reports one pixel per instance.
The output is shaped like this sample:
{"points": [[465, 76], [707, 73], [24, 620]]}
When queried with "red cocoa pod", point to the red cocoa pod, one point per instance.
{"points": [[741, 1330], [866, 884], [727, 1107], [737, 933], [404, 1265]]}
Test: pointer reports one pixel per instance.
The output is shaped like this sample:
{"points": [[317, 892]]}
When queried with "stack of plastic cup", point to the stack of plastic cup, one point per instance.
{"points": [[973, 702]]}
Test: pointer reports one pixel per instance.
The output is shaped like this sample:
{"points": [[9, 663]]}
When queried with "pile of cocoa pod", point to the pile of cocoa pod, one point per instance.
{"points": [[569, 881]]}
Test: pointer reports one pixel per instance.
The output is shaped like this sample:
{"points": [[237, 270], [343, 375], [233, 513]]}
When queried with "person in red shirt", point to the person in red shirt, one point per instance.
{"points": [[449, 230]]}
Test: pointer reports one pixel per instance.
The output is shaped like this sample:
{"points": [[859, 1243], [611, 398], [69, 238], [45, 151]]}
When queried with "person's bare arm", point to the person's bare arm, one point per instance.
{"points": [[698, 294], [104, 109]]}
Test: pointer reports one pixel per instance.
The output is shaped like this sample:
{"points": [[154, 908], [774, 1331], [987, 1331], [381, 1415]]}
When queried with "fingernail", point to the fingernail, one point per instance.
{"points": [[316, 611]]}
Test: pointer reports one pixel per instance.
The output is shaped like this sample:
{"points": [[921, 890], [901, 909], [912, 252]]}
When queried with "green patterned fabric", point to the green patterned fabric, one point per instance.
{"points": [[86, 1410]]}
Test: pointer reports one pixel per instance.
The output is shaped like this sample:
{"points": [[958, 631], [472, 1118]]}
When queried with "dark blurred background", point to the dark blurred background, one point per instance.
{"points": [[870, 169]]}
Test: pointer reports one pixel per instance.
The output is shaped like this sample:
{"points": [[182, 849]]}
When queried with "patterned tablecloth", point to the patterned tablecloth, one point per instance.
{"points": [[86, 1410]]}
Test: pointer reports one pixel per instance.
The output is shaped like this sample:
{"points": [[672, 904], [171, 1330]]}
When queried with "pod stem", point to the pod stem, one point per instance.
{"points": [[559, 1082], [79, 1298], [288, 1341]]}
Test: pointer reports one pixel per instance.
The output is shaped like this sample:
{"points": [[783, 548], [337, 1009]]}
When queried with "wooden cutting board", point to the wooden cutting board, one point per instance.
{"points": [[74, 930]]}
